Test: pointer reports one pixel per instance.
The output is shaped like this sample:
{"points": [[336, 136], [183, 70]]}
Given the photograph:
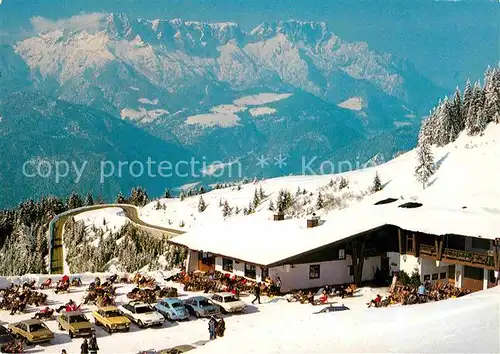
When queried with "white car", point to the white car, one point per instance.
{"points": [[228, 302], [142, 314]]}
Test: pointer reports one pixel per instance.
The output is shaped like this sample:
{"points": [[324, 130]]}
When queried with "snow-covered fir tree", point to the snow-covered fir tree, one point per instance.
{"points": [[319, 201], [201, 205], [377, 184], [262, 194], [492, 94], [467, 97], [89, 200], [167, 194], [343, 183], [74, 201], [425, 161], [256, 199], [226, 209], [120, 199]]}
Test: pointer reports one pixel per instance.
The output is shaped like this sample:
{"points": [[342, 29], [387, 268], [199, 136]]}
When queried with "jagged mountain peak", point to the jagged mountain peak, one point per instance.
{"points": [[307, 31]]}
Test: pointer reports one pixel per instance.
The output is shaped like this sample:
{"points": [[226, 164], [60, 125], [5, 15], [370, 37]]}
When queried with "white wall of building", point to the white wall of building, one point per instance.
{"points": [[192, 261], [409, 263], [485, 279], [218, 264], [394, 261], [459, 275], [369, 267], [331, 273], [239, 268], [428, 267]]}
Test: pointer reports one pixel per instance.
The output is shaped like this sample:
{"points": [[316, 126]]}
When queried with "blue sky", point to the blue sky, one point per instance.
{"points": [[447, 41]]}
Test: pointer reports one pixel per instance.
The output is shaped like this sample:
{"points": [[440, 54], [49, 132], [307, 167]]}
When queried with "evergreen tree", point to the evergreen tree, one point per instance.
{"points": [[456, 119], [236, 210], [245, 211], [444, 122], [138, 197], [298, 192], [492, 95], [226, 209], [167, 194], [481, 121], [89, 200], [467, 98], [158, 205], [183, 195], [343, 183], [100, 200], [202, 190], [319, 201], [377, 184], [74, 201], [425, 161], [201, 205], [475, 106], [250, 208], [271, 205], [120, 199], [284, 200], [256, 199], [262, 194]]}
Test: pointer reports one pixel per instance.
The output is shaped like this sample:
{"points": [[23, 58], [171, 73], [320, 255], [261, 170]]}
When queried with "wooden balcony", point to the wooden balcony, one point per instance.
{"points": [[459, 257]]}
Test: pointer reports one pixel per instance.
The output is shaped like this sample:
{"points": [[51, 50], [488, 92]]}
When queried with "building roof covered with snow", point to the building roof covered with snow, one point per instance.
{"points": [[267, 242]]}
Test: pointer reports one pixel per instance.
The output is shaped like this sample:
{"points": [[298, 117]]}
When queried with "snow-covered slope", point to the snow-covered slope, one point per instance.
{"points": [[467, 325], [468, 171], [110, 219]]}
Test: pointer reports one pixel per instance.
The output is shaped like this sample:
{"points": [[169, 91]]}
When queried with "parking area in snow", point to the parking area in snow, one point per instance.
{"points": [[172, 333]]}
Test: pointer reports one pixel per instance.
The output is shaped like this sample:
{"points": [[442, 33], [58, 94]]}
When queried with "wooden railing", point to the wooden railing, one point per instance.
{"points": [[464, 257]]}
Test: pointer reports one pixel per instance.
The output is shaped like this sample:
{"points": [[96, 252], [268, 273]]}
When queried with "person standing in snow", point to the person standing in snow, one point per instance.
{"points": [[93, 347], [256, 290], [84, 347], [221, 327], [278, 285], [211, 328]]}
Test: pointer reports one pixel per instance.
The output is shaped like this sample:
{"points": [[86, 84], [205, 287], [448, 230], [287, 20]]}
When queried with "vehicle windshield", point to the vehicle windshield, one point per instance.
{"points": [[204, 303], [77, 319], [176, 304], [231, 298], [143, 309], [113, 313], [37, 327]]}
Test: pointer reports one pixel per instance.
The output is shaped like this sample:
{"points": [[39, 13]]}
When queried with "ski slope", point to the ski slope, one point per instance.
{"points": [[468, 171]]}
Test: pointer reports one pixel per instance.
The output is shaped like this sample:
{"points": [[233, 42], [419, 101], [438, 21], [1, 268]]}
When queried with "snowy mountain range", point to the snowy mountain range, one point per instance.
{"points": [[189, 83]]}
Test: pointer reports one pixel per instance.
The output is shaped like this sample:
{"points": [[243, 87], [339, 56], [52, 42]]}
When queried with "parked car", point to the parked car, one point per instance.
{"points": [[332, 308], [76, 323], [111, 319], [178, 349], [200, 306], [228, 302], [142, 314], [5, 337], [172, 309], [32, 331]]}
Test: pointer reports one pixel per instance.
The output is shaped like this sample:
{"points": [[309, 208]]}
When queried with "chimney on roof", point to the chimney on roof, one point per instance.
{"points": [[279, 215], [312, 221]]}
